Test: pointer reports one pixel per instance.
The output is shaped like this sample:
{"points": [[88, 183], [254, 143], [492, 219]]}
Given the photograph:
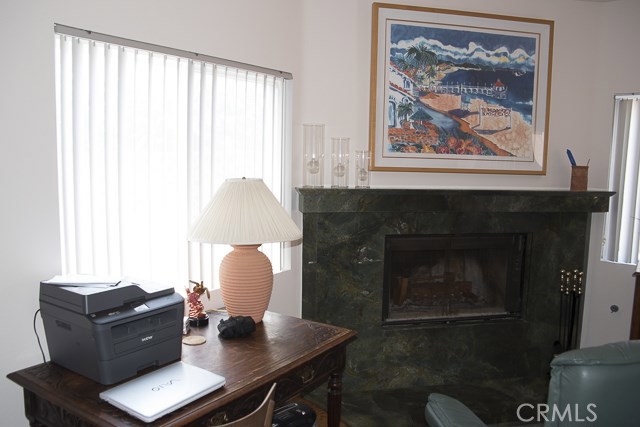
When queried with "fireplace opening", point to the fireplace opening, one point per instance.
{"points": [[452, 278]]}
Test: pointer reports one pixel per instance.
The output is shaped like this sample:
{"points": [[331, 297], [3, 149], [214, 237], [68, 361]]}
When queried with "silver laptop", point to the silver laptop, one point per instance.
{"points": [[157, 393]]}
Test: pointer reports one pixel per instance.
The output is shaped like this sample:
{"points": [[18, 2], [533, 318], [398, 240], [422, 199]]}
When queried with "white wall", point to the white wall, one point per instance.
{"points": [[326, 45], [609, 284]]}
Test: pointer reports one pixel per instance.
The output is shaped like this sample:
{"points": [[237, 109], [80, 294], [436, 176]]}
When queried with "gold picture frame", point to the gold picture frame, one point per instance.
{"points": [[455, 91]]}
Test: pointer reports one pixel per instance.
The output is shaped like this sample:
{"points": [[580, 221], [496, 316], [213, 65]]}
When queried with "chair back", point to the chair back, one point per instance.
{"points": [[596, 386], [262, 416]]}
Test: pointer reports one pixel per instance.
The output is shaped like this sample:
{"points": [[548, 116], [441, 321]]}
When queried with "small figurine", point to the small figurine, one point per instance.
{"points": [[197, 316]]}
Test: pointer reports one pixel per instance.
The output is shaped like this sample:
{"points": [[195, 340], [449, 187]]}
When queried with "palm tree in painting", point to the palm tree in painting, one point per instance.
{"points": [[431, 74], [422, 56], [405, 109], [423, 59]]}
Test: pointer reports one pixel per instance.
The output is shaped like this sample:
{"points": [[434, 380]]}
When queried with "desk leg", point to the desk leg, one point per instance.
{"points": [[334, 400], [31, 408]]}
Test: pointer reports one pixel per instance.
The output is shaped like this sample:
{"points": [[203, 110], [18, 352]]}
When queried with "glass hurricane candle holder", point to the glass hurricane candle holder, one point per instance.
{"points": [[362, 168], [313, 156], [339, 162]]}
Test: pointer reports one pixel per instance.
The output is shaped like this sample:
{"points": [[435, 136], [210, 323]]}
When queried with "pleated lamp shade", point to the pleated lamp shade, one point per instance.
{"points": [[244, 213]]}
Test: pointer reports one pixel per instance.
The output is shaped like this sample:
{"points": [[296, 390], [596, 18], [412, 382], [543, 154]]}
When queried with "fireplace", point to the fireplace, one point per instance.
{"points": [[453, 278], [347, 233]]}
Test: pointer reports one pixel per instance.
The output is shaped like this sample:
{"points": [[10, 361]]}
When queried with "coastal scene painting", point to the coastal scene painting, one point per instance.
{"points": [[470, 94]]}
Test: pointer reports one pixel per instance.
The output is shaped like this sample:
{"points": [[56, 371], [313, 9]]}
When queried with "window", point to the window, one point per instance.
{"points": [[622, 223], [146, 135]]}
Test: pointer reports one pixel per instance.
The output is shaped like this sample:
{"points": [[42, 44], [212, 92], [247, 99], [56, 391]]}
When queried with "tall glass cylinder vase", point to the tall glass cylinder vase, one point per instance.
{"points": [[339, 162], [362, 168], [313, 156]]}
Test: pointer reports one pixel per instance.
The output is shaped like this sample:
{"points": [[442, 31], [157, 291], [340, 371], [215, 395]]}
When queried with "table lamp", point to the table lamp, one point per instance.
{"points": [[244, 213]]}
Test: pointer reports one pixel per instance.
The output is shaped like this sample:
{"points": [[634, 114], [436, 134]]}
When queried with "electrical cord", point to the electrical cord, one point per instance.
{"points": [[35, 331]]}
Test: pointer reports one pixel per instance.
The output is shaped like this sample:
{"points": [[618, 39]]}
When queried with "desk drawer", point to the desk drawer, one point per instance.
{"points": [[311, 374], [303, 378]]}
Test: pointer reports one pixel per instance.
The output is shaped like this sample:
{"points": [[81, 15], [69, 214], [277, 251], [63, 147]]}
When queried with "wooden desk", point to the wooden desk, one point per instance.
{"points": [[297, 354]]}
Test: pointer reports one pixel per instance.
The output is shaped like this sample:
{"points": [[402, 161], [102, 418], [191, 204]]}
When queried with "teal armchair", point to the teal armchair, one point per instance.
{"points": [[594, 386]]}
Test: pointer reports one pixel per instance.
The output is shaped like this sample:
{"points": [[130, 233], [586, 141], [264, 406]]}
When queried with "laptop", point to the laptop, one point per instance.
{"points": [[157, 393]]}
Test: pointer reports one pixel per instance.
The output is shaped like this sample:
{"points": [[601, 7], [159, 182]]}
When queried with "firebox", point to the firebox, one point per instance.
{"points": [[453, 278]]}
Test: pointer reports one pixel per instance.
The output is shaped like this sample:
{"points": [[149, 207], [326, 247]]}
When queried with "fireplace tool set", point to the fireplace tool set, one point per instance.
{"points": [[570, 296]]}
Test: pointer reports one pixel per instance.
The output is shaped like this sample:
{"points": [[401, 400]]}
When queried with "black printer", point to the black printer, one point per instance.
{"points": [[110, 331]]}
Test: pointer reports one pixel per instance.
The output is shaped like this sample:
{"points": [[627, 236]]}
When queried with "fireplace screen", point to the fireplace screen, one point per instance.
{"points": [[453, 277]]}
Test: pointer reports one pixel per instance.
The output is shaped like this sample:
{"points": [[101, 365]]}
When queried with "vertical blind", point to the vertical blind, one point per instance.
{"points": [[145, 138], [622, 224]]}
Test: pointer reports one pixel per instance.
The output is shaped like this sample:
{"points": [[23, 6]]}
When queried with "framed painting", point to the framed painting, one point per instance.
{"points": [[456, 91]]}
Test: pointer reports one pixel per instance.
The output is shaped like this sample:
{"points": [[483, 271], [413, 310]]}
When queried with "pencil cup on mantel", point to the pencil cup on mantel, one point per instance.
{"points": [[339, 162], [313, 146], [579, 178]]}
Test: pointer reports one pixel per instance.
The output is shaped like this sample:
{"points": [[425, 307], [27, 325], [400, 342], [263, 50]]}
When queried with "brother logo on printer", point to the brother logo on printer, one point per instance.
{"points": [[163, 385], [147, 338]]}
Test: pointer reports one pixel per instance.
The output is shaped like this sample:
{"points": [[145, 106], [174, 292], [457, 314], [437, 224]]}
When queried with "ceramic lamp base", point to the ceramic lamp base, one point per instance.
{"points": [[246, 281]]}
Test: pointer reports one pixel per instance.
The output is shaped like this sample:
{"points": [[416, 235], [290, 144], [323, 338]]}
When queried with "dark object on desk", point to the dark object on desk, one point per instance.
{"points": [[109, 333], [236, 327], [199, 321], [294, 415]]}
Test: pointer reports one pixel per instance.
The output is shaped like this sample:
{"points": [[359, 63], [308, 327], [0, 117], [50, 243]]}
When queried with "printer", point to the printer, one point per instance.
{"points": [[109, 331]]}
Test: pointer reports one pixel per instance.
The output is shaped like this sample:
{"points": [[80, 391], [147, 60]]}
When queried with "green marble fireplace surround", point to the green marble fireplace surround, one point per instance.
{"points": [[342, 280]]}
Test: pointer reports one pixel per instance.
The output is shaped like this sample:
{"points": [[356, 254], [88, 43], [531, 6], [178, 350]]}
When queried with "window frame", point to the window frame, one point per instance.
{"points": [[624, 180]]}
